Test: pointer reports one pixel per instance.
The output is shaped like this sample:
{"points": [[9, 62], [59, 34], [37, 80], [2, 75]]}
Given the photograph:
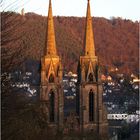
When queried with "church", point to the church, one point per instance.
{"points": [[90, 108]]}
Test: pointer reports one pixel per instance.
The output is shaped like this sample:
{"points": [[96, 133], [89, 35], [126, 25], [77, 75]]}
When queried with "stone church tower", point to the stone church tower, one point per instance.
{"points": [[90, 107], [51, 92]]}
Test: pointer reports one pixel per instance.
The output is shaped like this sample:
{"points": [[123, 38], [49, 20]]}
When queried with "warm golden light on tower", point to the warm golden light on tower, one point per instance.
{"points": [[50, 35], [89, 36]]}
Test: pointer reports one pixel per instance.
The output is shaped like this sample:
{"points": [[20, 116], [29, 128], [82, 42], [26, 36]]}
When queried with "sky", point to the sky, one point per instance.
{"points": [[127, 9]]}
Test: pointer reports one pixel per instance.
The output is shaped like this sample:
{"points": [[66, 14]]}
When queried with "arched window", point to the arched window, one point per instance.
{"points": [[90, 77], [91, 106], [51, 78], [52, 105]]}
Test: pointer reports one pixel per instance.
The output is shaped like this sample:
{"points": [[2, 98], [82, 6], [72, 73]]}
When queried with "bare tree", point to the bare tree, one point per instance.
{"points": [[21, 116]]}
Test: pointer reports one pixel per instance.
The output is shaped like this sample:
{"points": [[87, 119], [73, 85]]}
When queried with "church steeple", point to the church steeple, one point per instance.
{"points": [[89, 36], [50, 46], [89, 87]]}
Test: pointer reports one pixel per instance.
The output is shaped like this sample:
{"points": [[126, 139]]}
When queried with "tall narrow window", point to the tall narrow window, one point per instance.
{"points": [[52, 104], [51, 78], [91, 106], [90, 77]]}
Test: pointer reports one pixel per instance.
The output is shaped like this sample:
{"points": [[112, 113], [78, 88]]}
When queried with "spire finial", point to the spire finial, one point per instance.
{"points": [[50, 2]]}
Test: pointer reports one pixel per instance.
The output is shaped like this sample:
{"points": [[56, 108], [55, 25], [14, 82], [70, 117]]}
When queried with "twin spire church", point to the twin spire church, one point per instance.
{"points": [[90, 108]]}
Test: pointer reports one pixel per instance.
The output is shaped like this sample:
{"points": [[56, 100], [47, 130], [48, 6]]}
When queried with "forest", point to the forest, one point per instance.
{"points": [[116, 40]]}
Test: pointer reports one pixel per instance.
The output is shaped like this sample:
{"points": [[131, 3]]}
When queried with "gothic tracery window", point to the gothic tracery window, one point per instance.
{"points": [[52, 105], [90, 77], [51, 78], [91, 106]]}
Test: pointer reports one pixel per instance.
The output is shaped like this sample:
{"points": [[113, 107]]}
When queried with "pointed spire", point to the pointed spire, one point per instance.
{"points": [[50, 48], [89, 37]]}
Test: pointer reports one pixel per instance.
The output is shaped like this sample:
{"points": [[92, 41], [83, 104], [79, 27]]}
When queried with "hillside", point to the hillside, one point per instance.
{"points": [[116, 40]]}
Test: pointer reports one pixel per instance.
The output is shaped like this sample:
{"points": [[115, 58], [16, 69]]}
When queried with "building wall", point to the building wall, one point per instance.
{"points": [[51, 65]]}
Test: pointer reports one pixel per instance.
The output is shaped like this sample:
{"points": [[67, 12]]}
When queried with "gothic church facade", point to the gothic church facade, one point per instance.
{"points": [[90, 107]]}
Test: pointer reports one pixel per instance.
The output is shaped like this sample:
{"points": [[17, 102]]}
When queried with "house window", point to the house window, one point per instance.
{"points": [[91, 106], [51, 78], [90, 77], [52, 105]]}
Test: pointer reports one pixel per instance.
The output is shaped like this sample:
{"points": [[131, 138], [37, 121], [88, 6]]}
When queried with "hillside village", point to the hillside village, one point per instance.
{"points": [[120, 96]]}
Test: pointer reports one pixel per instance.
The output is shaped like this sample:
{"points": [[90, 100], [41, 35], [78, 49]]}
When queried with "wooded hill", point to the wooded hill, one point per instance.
{"points": [[116, 40]]}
